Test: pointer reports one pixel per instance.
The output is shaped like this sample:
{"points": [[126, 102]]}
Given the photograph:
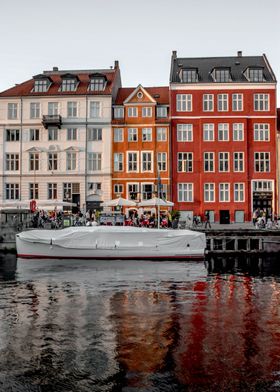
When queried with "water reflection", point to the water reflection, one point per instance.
{"points": [[126, 326]]}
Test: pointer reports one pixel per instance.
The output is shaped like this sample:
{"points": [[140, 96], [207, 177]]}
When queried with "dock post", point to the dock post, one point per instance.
{"points": [[211, 243], [248, 245], [236, 243], [224, 243]]}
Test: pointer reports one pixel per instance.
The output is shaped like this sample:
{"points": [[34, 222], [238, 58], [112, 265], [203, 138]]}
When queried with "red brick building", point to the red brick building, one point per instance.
{"points": [[223, 125]]}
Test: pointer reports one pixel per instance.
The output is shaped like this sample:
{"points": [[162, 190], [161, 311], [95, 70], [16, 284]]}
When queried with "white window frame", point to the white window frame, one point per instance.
{"points": [[184, 132], [95, 109], [12, 161], [162, 161], [237, 102], [161, 134], [238, 162], [209, 132], [12, 110], [238, 132], [239, 192], [147, 134], [95, 134], [118, 188], [132, 111], [223, 132], [208, 102], [53, 108], [119, 112], [52, 191], [94, 159], [118, 162], [185, 191], [71, 160], [262, 158], [209, 192], [185, 162], [72, 109], [12, 191], [147, 111], [132, 133], [261, 102], [224, 161], [34, 161], [71, 133], [118, 135], [35, 110], [224, 192], [184, 102], [136, 184], [52, 134], [137, 161], [261, 132], [148, 162], [222, 102], [161, 111], [209, 159], [143, 184], [34, 134]]}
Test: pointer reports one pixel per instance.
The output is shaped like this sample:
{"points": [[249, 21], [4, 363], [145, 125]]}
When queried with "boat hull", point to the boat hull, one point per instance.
{"points": [[111, 244]]}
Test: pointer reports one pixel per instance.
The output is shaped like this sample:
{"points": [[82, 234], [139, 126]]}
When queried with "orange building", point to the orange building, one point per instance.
{"points": [[141, 143]]}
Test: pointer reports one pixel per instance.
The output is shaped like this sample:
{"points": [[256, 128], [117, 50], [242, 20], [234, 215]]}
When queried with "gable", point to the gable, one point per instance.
{"points": [[140, 96]]}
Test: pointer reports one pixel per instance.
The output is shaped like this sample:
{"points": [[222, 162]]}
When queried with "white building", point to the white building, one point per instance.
{"points": [[55, 137]]}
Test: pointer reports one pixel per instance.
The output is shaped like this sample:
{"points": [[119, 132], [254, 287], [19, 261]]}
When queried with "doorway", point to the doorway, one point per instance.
{"points": [[224, 217]]}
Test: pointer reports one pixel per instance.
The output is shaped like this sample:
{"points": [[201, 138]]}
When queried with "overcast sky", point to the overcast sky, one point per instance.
{"points": [[36, 35]]}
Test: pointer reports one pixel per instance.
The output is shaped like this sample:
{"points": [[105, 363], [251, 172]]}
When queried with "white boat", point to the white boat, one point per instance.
{"points": [[111, 242]]}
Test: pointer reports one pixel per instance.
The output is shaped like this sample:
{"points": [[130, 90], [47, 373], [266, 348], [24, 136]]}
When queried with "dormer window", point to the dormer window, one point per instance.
{"points": [[41, 84], [69, 82], [222, 75], [97, 82], [255, 74], [119, 112], [189, 75]]}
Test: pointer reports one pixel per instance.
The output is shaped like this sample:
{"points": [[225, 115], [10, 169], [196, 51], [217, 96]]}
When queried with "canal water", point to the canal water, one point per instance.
{"points": [[139, 325]]}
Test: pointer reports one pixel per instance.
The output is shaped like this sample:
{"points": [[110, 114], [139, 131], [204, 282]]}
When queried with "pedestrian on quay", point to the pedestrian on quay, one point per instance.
{"points": [[207, 220]]}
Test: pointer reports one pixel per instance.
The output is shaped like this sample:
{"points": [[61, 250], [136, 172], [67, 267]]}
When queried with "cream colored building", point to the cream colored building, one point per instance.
{"points": [[55, 137]]}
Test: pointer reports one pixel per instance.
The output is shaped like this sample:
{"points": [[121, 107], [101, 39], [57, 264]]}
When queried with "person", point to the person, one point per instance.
{"points": [[207, 220]]}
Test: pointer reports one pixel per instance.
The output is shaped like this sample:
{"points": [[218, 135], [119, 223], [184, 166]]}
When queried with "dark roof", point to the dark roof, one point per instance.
{"points": [[205, 65], [160, 94], [26, 88]]}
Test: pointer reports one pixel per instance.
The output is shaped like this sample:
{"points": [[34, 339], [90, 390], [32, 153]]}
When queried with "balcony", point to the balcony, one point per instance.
{"points": [[52, 120]]}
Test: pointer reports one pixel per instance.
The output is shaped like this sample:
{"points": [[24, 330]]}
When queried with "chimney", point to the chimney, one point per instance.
{"points": [[116, 64], [239, 53], [174, 54], [55, 69]]}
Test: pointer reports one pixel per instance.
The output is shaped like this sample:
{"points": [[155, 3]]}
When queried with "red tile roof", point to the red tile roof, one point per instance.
{"points": [[25, 88], [163, 93]]}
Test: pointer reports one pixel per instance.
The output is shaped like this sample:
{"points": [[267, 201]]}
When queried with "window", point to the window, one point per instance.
{"points": [[41, 86], [12, 191], [94, 109], [94, 161], [239, 194], [52, 161], [209, 162], [53, 108], [223, 132], [97, 84], [223, 161], [238, 132], [208, 102], [262, 186], [237, 102], [147, 134], [72, 110], [256, 75], [52, 191], [261, 102], [34, 134], [71, 133], [94, 134], [118, 188], [222, 75], [185, 162], [132, 161], [33, 161], [118, 135], [184, 102], [222, 102], [161, 134], [71, 160], [161, 111], [34, 110], [12, 135], [184, 132], [185, 192], [69, 84], [238, 161], [147, 191], [94, 186], [147, 161], [162, 161], [12, 162], [189, 76], [34, 191], [262, 161], [12, 111], [209, 192], [119, 112], [208, 132], [132, 112], [132, 134], [132, 191], [261, 132], [118, 162], [146, 112], [224, 193], [52, 134]]}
